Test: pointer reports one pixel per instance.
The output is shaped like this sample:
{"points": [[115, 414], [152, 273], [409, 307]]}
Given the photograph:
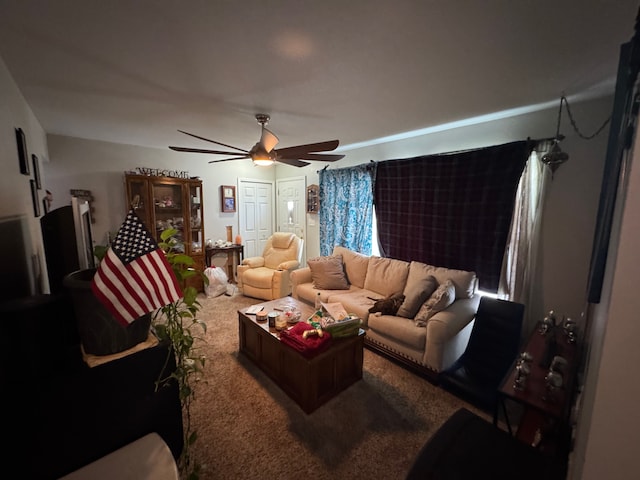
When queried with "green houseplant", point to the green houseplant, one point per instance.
{"points": [[177, 324]]}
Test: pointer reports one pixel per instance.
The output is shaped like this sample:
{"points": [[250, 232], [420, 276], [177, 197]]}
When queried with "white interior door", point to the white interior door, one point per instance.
{"points": [[292, 208], [255, 214]]}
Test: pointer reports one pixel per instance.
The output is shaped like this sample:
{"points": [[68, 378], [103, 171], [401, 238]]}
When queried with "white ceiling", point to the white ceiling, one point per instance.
{"points": [[136, 71]]}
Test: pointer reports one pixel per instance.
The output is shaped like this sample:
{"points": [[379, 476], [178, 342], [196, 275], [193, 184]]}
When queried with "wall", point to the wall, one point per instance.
{"points": [[15, 190], [100, 166]]}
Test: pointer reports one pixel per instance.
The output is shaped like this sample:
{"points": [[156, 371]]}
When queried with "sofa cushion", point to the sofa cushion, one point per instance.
{"points": [[388, 305], [356, 301], [355, 265], [260, 277], [420, 285], [402, 330], [444, 296], [306, 293], [327, 273], [386, 276], [464, 282]]}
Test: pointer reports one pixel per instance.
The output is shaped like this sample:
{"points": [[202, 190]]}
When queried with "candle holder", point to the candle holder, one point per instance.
{"points": [[553, 381], [570, 328], [522, 374], [548, 323], [523, 369]]}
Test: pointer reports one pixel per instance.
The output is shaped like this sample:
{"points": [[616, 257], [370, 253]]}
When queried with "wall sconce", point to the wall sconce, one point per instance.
{"points": [[556, 157]]}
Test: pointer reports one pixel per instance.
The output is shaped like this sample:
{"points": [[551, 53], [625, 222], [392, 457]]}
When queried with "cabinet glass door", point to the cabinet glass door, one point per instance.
{"points": [[196, 242], [138, 199], [168, 213]]}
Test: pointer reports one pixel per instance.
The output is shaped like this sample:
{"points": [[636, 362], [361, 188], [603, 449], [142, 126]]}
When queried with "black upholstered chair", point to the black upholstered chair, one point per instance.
{"points": [[493, 345], [61, 414], [468, 446]]}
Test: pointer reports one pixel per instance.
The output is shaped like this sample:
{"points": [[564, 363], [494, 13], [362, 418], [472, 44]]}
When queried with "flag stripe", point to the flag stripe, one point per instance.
{"points": [[143, 281], [117, 273], [165, 283]]}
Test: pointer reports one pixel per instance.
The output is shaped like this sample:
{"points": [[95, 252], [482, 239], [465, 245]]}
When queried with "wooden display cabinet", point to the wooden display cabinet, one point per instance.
{"points": [[167, 202]]}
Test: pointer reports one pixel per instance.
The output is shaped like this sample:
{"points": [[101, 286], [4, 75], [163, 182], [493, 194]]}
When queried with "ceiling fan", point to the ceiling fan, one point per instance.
{"points": [[263, 153]]}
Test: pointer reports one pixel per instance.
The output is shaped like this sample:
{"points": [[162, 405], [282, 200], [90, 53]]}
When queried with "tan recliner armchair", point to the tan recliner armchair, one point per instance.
{"points": [[267, 277]]}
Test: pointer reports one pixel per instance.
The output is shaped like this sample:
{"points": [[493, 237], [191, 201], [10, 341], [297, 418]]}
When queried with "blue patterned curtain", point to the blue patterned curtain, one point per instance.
{"points": [[346, 208]]}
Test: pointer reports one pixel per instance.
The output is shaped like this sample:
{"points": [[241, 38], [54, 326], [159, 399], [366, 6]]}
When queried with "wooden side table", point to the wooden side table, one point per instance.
{"points": [[235, 255], [545, 417]]}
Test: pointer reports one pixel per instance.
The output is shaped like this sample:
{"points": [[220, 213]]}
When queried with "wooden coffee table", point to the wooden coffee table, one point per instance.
{"points": [[310, 382]]}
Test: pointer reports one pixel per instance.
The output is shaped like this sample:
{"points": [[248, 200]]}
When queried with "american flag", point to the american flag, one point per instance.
{"points": [[134, 277]]}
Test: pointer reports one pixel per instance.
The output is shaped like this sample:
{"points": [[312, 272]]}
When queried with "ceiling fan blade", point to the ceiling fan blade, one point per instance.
{"points": [[297, 150], [268, 139], [201, 150], [213, 141], [322, 157], [293, 162], [227, 159]]}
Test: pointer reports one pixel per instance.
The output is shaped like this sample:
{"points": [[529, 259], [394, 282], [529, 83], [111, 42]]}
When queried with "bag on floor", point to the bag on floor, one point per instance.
{"points": [[218, 282]]}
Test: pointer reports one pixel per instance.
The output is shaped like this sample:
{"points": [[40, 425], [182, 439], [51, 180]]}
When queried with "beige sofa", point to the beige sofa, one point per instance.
{"points": [[428, 346]]}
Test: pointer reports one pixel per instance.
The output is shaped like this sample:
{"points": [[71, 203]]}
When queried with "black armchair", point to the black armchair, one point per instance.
{"points": [[59, 414], [467, 446], [493, 345]]}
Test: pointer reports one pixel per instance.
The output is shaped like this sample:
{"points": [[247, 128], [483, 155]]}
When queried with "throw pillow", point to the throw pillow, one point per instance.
{"points": [[444, 296], [420, 286], [327, 273], [388, 305], [355, 265], [386, 276], [465, 282]]}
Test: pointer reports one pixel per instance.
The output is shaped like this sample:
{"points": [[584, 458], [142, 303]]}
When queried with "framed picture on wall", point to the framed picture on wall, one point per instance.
{"points": [[228, 198], [34, 198], [21, 142], [36, 171]]}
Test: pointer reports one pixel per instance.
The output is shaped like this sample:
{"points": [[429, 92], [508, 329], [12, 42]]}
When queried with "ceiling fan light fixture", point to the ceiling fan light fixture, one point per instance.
{"points": [[263, 162], [261, 157]]}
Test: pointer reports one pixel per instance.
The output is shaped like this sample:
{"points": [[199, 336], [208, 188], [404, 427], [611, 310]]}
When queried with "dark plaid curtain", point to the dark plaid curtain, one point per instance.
{"points": [[451, 210]]}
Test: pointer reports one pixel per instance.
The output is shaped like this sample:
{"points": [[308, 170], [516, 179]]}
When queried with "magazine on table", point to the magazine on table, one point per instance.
{"points": [[335, 310]]}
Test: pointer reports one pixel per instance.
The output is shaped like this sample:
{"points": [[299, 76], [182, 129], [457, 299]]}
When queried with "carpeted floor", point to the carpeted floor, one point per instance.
{"points": [[249, 429]]}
